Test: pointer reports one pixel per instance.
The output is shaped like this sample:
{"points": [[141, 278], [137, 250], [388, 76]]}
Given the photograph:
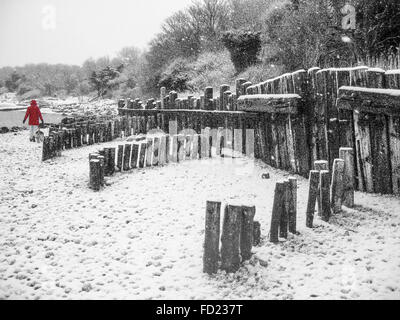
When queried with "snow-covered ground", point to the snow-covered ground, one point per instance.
{"points": [[141, 237]]}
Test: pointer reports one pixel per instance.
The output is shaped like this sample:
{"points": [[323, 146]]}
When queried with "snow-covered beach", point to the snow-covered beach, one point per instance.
{"points": [[141, 237]]}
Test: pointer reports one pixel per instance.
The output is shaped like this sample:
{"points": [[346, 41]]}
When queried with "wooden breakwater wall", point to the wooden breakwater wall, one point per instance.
{"points": [[292, 135], [81, 131]]}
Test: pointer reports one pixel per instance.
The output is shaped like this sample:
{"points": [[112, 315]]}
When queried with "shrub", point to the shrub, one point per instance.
{"points": [[176, 75], [211, 69], [244, 47]]}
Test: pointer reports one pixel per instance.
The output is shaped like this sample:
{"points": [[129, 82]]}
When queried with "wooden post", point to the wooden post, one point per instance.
{"points": [[347, 154], [174, 148], [127, 157], [149, 153], [167, 148], [292, 204], [336, 191], [181, 147], [195, 147], [95, 174], [45, 150], [120, 157], [156, 151], [142, 154], [250, 143], [324, 194], [205, 143], [208, 97], [188, 145], [222, 101], [106, 154], [320, 165], [162, 154], [211, 237], [277, 211], [312, 197], [239, 83], [284, 220], [256, 233], [247, 232], [135, 155], [163, 93], [230, 238]]}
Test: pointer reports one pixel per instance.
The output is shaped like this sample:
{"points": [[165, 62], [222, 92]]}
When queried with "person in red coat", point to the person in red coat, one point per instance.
{"points": [[33, 112]]}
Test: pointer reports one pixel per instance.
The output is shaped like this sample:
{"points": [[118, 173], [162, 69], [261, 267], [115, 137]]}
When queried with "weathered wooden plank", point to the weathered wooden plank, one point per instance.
{"points": [[363, 147], [277, 210], [230, 239], [336, 192], [347, 154], [312, 197], [381, 172], [211, 237], [394, 136], [269, 103], [246, 235]]}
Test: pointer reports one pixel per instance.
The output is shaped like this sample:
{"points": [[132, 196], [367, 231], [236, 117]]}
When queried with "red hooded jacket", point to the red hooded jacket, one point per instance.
{"points": [[33, 112]]}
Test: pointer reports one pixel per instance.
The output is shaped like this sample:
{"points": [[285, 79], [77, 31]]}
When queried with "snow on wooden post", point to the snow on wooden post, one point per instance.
{"points": [[336, 191], [256, 233], [324, 195], [312, 197], [120, 157], [230, 238], [277, 209], [211, 237], [320, 165], [292, 203], [127, 157], [95, 174], [247, 232], [347, 154], [283, 224], [134, 155]]}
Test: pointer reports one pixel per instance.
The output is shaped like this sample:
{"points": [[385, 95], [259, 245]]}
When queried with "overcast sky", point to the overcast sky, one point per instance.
{"points": [[70, 31]]}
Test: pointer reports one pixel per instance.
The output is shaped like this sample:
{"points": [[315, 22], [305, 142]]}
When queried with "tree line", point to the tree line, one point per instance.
{"points": [[213, 41]]}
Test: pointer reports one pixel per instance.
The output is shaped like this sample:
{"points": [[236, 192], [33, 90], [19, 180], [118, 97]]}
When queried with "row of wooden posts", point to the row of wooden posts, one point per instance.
{"points": [[158, 149], [294, 138], [226, 100], [331, 189], [75, 134], [239, 234]]}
